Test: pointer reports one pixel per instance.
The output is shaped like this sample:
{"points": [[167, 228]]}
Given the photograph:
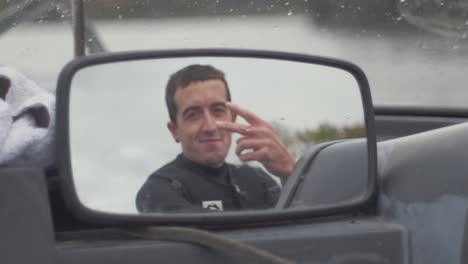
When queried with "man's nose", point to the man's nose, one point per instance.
{"points": [[209, 122]]}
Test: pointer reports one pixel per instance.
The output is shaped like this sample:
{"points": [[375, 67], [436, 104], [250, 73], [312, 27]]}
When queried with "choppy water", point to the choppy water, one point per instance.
{"points": [[403, 69]]}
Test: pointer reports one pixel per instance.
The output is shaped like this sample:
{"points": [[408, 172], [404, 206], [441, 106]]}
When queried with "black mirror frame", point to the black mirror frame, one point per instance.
{"points": [[199, 219]]}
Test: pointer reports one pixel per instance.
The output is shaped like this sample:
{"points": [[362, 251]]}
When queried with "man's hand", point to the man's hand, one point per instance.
{"points": [[261, 139]]}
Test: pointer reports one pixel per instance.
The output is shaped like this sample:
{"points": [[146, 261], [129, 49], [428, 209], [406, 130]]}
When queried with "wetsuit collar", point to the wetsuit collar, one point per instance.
{"points": [[197, 166], [221, 175]]}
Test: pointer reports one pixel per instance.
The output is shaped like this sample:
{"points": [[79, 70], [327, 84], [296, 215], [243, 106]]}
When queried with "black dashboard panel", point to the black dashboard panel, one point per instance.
{"points": [[393, 122]]}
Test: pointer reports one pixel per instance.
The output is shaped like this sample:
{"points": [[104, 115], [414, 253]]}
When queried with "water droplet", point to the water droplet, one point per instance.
{"points": [[442, 3], [306, 1], [342, 6], [118, 7], [231, 10], [286, 4], [289, 13], [90, 40], [399, 18], [217, 1], [272, 5], [402, 1], [132, 10]]}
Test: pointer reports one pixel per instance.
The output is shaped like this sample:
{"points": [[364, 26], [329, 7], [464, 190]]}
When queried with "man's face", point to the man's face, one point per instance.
{"points": [[199, 106]]}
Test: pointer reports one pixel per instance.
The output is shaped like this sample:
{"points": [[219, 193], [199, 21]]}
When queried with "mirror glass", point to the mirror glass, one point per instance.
{"points": [[214, 155]]}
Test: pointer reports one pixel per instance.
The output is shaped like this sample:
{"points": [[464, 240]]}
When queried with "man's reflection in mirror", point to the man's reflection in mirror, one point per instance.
{"points": [[202, 120]]}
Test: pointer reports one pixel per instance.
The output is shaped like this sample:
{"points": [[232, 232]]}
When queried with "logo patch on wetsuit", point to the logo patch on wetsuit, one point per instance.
{"points": [[213, 205]]}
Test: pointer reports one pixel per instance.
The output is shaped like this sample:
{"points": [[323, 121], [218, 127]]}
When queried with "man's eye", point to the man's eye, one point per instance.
{"points": [[191, 115], [219, 110]]}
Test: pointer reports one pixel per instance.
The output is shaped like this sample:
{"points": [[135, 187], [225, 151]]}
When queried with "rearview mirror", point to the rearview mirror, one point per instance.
{"points": [[125, 154]]}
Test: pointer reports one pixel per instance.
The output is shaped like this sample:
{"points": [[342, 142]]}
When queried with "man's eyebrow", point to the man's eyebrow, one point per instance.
{"points": [[217, 104]]}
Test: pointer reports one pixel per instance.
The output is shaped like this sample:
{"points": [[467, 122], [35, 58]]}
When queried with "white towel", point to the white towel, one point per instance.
{"points": [[27, 121], [5, 121]]}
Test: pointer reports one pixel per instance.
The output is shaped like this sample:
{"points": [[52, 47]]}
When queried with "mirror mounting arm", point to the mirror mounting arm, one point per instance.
{"points": [[78, 22]]}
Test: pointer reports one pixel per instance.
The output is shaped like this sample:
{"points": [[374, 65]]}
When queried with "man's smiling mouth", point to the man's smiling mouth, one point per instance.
{"points": [[209, 140]]}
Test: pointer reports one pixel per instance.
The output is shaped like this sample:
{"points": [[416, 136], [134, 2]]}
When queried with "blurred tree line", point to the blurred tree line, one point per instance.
{"points": [[300, 140]]}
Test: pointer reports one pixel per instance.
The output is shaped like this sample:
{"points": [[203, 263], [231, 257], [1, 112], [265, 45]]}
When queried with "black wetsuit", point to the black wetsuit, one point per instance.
{"points": [[185, 186]]}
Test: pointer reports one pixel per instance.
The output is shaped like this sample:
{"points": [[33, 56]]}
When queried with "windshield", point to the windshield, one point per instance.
{"points": [[413, 52]]}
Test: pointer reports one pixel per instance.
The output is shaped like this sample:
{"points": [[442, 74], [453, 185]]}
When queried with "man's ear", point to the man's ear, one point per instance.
{"points": [[173, 129]]}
